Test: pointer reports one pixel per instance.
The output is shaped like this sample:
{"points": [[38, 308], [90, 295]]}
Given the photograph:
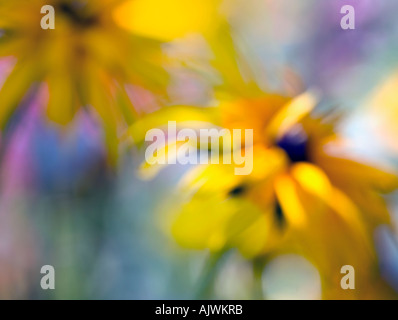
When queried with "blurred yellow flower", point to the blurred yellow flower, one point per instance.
{"points": [[85, 60], [305, 193], [96, 48]]}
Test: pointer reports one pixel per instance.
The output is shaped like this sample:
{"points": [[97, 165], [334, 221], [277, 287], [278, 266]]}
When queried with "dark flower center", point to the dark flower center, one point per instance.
{"points": [[76, 13], [237, 191], [280, 217], [295, 144]]}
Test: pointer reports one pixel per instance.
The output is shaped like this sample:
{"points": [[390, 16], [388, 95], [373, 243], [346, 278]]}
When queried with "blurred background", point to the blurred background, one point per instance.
{"points": [[63, 204]]}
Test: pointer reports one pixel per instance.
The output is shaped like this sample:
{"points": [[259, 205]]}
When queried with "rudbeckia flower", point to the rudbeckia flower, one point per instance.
{"points": [[87, 57], [90, 56], [305, 193]]}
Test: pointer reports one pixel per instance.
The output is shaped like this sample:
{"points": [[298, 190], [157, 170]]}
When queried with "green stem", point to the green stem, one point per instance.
{"points": [[209, 273], [258, 268]]}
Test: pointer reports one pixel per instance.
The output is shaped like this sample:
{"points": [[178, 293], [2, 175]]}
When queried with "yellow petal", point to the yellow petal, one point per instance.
{"points": [[15, 87], [238, 76], [190, 117], [257, 237], [208, 222], [252, 113], [292, 207], [347, 172], [312, 179], [63, 102], [166, 20], [292, 113], [315, 181]]}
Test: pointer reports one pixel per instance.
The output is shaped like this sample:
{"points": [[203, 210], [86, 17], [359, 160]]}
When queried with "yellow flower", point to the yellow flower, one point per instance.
{"points": [[304, 195], [90, 55], [96, 48], [86, 56]]}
